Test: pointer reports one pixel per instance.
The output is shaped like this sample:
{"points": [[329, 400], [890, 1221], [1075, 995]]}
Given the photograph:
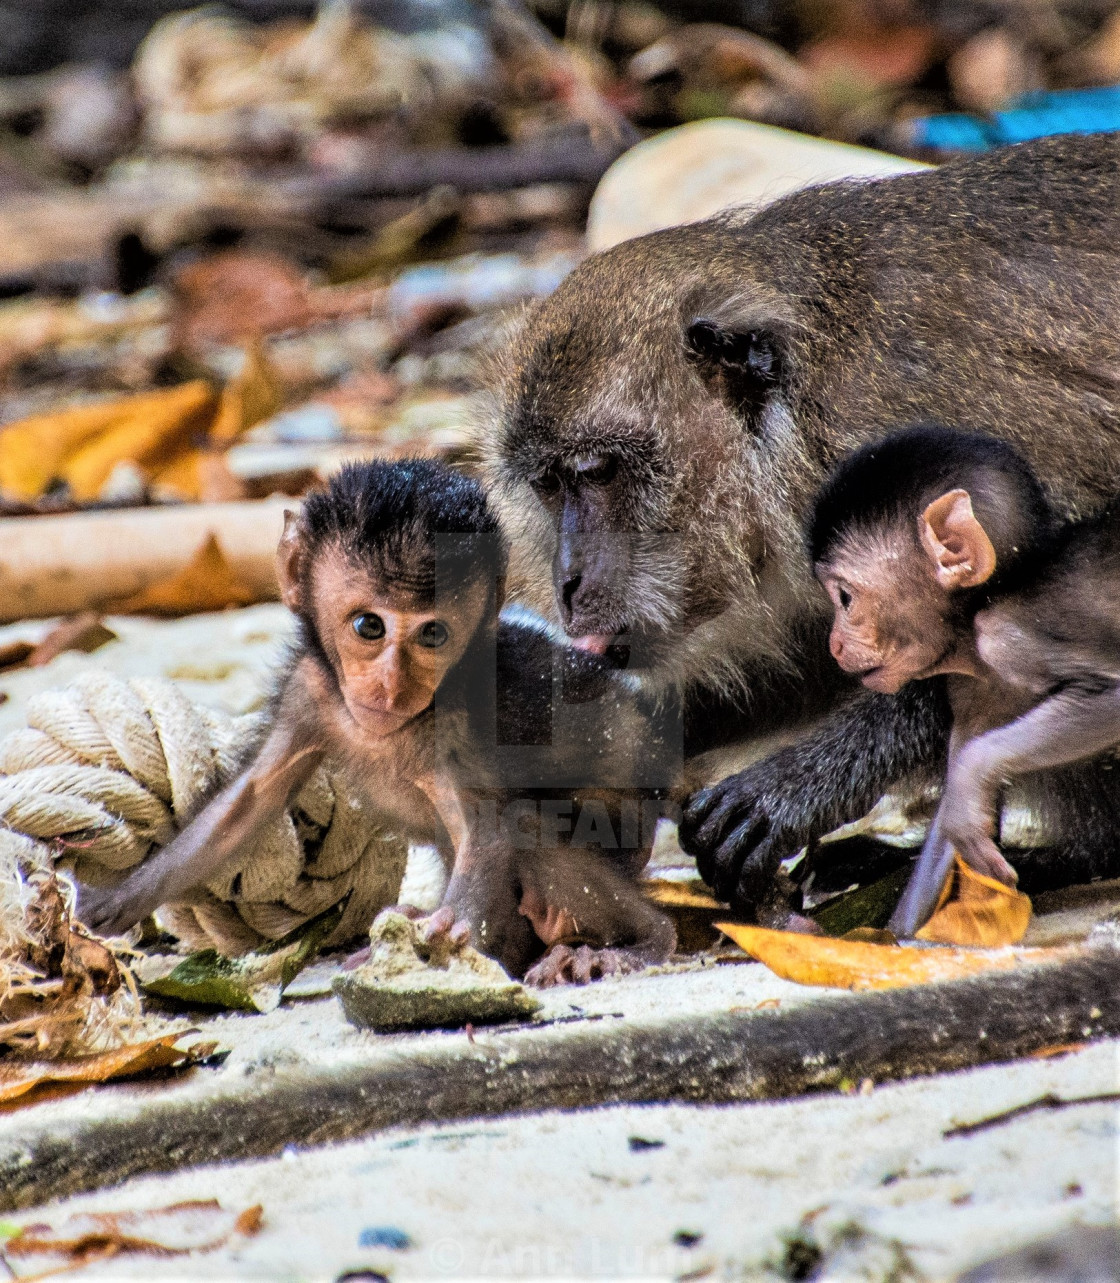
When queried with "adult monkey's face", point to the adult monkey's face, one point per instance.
{"points": [[643, 453]]}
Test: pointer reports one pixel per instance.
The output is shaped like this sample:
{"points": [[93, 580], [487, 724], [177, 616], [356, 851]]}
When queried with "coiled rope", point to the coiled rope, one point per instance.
{"points": [[107, 771]]}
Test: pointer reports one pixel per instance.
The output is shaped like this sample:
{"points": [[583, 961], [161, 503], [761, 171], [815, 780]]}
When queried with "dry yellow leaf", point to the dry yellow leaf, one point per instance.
{"points": [[206, 582], [250, 398], [181, 478], [679, 895], [149, 431], [977, 910], [20, 1080], [32, 451], [852, 964]]}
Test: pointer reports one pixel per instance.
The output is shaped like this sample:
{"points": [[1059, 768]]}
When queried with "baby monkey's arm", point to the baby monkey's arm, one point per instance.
{"points": [[1074, 724], [220, 832]]}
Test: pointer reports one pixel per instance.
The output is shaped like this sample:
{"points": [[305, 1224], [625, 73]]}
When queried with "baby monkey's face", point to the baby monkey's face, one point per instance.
{"points": [[889, 622], [892, 594], [391, 656]]}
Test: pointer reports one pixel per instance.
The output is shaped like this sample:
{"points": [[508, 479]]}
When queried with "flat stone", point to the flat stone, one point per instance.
{"points": [[408, 985]]}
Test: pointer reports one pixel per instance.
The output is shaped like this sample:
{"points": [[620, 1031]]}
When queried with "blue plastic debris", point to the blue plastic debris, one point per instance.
{"points": [[384, 1236], [1035, 115]]}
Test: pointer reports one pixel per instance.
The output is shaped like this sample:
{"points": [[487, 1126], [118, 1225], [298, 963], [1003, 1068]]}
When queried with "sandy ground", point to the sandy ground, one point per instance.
{"points": [[567, 1195], [564, 1196]]}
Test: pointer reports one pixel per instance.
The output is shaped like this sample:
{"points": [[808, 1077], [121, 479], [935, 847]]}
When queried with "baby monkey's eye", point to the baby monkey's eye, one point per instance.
{"points": [[369, 627], [433, 634], [845, 598]]}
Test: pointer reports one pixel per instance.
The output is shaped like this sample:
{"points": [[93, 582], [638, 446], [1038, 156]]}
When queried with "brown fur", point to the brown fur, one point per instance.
{"points": [[985, 293]]}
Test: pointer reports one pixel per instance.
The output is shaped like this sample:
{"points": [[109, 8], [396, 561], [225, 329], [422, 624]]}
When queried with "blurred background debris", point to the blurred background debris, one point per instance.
{"points": [[241, 243]]}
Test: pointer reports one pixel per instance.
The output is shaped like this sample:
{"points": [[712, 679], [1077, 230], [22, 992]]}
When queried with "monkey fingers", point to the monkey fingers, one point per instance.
{"points": [[112, 910], [979, 852], [580, 965], [445, 933], [722, 840]]}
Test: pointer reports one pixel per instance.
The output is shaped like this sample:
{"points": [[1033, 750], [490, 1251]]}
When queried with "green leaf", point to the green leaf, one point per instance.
{"points": [[869, 906], [255, 982]]}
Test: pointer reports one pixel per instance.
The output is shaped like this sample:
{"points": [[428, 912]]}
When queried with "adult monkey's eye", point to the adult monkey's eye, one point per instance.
{"points": [[545, 483], [433, 634], [369, 627], [597, 469]]}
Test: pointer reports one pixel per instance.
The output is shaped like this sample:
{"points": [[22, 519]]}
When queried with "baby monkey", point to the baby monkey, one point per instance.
{"points": [[449, 721], [941, 555]]}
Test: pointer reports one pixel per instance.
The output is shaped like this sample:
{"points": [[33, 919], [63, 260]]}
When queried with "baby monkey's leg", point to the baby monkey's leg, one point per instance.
{"points": [[594, 921]]}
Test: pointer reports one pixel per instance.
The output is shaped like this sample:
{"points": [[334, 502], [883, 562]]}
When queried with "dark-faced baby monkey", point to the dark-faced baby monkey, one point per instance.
{"points": [[941, 555], [515, 756]]}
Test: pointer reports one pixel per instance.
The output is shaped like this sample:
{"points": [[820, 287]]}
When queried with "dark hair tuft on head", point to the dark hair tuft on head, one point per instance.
{"points": [[391, 516], [888, 483]]}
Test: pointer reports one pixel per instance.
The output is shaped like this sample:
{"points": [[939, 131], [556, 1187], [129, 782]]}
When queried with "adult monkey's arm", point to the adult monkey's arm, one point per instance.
{"points": [[742, 828]]}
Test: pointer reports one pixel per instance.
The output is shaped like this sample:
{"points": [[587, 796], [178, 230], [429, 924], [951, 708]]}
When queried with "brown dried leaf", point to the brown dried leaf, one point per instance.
{"points": [[206, 582], [255, 394], [20, 1079], [15, 654], [200, 1225], [978, 911], [84, 632], [852, 964], [236, 295]]}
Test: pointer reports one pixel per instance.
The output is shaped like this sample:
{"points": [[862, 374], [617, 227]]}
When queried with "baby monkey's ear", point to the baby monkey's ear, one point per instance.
{"points": [[956, 543], [289, 563]]}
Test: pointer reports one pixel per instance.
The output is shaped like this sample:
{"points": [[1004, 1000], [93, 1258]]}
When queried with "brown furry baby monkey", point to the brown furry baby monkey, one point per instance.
{"points": [[941, 556], [528, 764]]}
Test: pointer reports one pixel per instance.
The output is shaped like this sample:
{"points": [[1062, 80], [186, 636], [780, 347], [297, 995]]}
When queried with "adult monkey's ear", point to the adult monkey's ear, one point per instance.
{"points": [[955, 542], [290, 562], [744, 364]]}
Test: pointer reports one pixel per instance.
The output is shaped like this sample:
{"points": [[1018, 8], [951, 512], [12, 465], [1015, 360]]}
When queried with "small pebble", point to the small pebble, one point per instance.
{"points": [[384, 1236]]}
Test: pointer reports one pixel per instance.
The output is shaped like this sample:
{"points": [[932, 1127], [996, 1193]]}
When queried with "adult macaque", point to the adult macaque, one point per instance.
{"points": [[665, 417], [478, 735], [941, 557]]}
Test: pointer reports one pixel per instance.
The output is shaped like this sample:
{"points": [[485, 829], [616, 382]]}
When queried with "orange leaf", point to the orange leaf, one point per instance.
{"points": [[253, 396], [148, 431], [977, 910], [851, 964], [32, 451], [1057, 1049], [19, 1080], [679, 895], [206, 582]]}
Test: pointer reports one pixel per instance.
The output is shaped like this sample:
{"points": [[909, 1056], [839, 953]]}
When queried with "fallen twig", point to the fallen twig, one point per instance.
{"points": [[1049, 1101]]}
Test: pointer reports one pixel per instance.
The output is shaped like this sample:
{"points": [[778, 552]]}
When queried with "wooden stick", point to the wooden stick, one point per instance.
{"points": [[812, 1045], [83, 560], [566, 158], [1049, 1101]]}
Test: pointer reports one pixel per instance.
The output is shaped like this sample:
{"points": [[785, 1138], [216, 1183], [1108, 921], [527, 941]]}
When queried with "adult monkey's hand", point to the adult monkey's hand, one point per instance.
{"points": [[743, 827]]}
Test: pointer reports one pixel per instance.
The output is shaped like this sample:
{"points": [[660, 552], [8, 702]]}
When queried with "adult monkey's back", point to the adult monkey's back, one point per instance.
{"points": [[665, 416]]}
